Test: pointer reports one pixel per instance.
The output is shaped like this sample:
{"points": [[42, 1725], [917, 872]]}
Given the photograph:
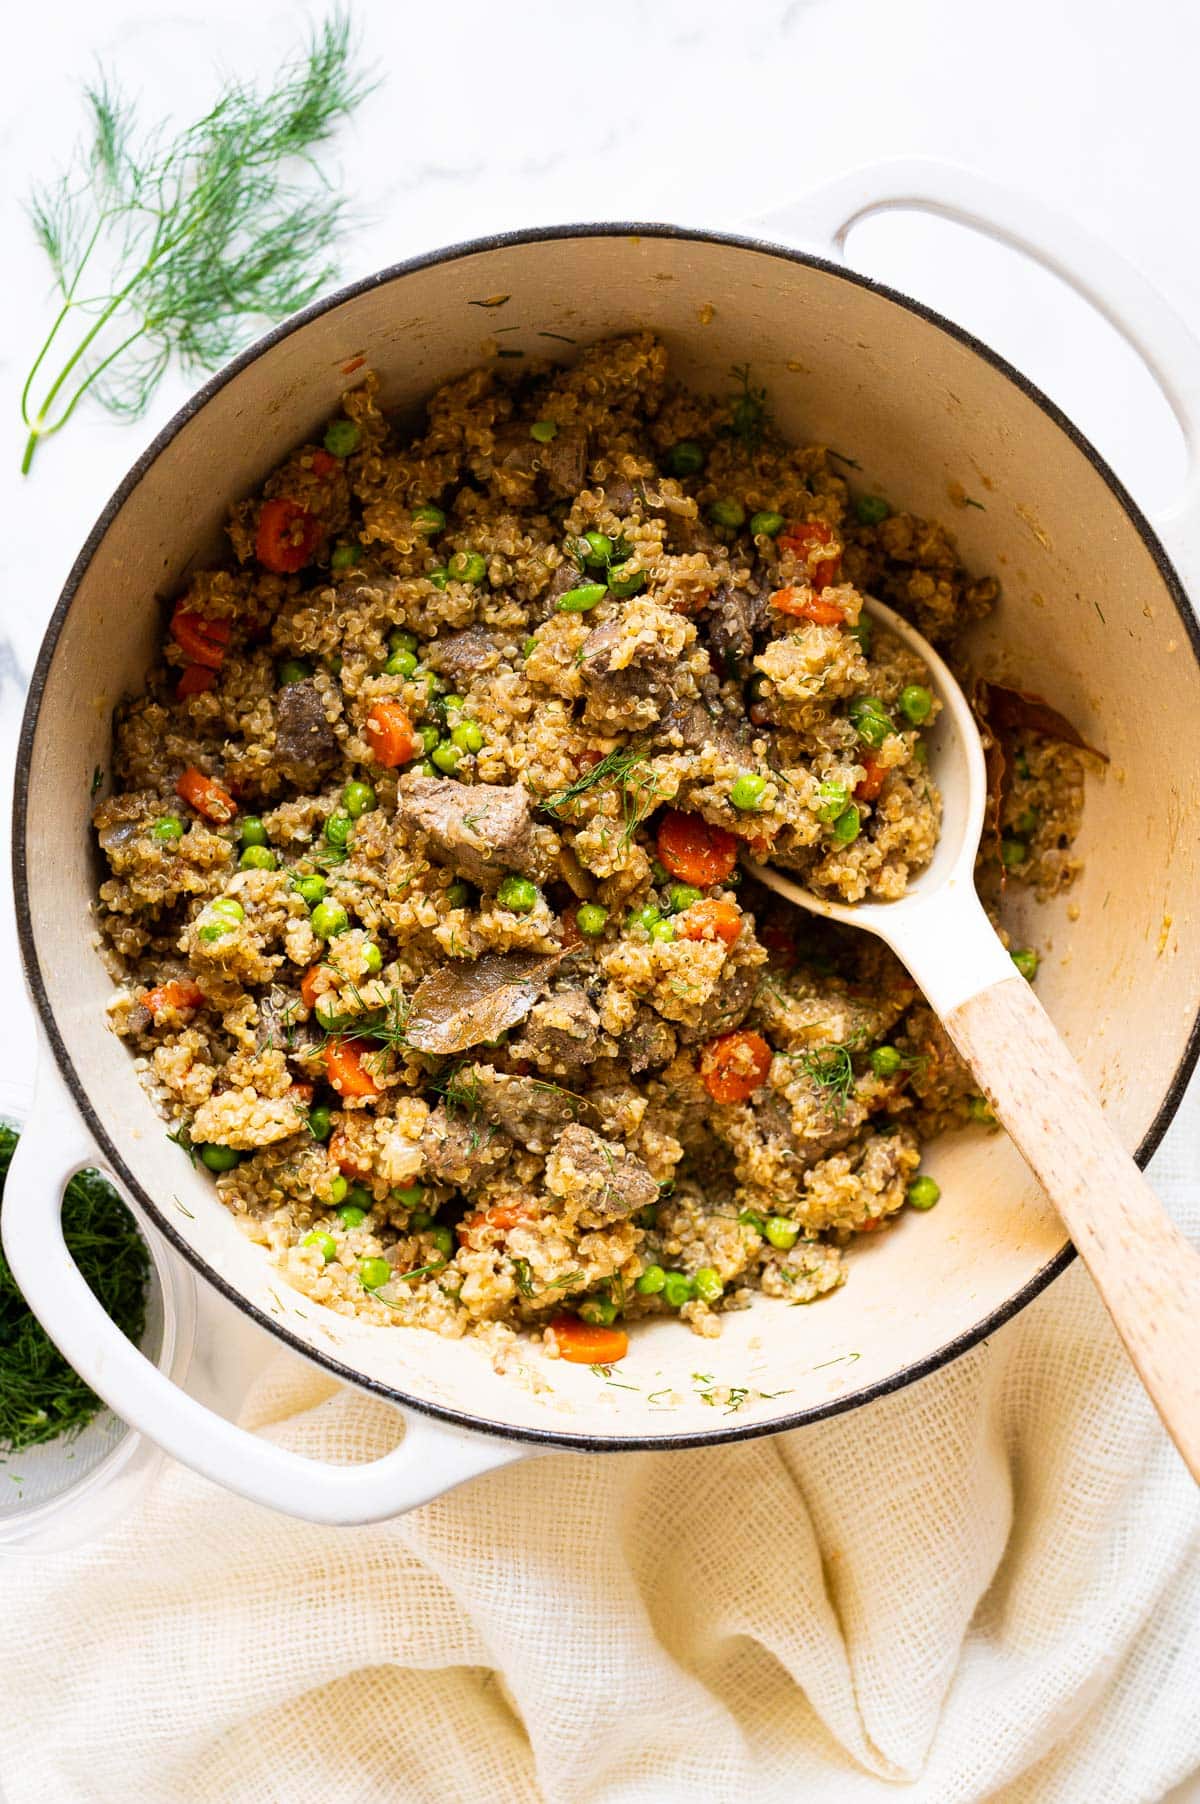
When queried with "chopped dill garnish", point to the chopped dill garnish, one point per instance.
{"points": [[97, 780], [41, 1396], [749, 419], [628, 769], [182, 1138], [522, 1276], [831, 1069], [182, 244], [567, 1279], [851, 462]]}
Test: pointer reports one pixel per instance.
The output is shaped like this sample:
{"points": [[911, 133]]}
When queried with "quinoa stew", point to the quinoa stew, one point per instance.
{"points": [[425, 908]]}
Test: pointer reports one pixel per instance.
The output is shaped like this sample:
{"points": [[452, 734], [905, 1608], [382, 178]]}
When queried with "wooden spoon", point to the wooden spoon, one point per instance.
{"points": [[1146, 1272]]}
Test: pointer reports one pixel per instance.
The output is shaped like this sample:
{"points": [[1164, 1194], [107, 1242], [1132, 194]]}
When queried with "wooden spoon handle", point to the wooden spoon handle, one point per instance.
{"points": [[1144, 1269]]}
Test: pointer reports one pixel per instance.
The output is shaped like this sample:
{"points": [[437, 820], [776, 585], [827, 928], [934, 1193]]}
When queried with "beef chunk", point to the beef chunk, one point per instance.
{"points": [[533, 1112], [464, 655], [599, 1176], [279, 1025], [729, 623], [467, 1002], [561, 1033], [694, 726], [462, 1149], [728, 1005], [564, 576], [620, 688], [481, 830], [305, 743], [649, 1042], [564, 462]]}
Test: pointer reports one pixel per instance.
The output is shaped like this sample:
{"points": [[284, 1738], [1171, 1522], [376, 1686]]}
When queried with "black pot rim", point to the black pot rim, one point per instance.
{"points": [[551, 1439]]}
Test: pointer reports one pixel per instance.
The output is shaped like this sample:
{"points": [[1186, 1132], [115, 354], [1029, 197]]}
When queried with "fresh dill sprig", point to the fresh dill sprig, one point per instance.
{"points": [[627, 768], [831, 1069], [182, 1138], [184, 243], [748, 419]]}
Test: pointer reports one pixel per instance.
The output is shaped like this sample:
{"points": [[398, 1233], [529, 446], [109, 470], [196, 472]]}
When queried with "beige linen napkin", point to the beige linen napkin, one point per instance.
{"points": [[985, 1587]]}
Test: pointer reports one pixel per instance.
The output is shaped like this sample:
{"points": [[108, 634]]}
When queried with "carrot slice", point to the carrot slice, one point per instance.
{"points": [[201, 641], [388, 732], [323, 464], [347, 1159], [176, 993], [345, 1071], [803, 603], [804, 538], [195, 679], [308, 987], [733, 1066], [286, 538], [205, 795], [873, 779], [710, 920], [693, 850], [586, 1345]]}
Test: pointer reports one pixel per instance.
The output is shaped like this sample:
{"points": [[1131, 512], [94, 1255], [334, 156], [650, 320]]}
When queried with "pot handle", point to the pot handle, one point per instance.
{"points": [[431, 1459], [1118, 291]]}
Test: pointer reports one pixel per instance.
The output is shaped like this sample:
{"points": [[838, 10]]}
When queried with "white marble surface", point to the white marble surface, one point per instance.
{"points": [[496, 117]]}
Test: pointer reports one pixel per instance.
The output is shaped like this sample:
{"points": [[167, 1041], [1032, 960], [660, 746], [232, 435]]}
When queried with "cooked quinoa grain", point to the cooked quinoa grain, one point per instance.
{"points": [[424, 893]]}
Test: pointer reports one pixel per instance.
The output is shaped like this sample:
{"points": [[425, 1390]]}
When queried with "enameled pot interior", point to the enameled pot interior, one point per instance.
{"points": [[1087, 619]]}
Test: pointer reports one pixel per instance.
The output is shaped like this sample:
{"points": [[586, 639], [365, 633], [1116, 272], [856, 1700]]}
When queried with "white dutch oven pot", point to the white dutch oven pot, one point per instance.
{"points": [[922, 405]]}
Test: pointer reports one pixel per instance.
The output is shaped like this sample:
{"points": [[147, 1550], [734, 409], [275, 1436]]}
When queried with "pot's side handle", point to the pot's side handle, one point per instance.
{"points": [[1117, 290], [431, 1459]]}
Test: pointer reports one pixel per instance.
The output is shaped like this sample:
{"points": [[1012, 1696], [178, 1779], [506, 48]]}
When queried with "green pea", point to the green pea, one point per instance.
{"points": [[544, 431], [847, 826], [663, 930], [446, 757], [402, 640], [310, 889], [425, 767], [923, 1193], [766, 525], [1013, 852], [372, 957], [168, 826], [590, 920], [359, 1196], [227, 908], [325, 1244], [747, 792], [728, 513], [651, 1281], [645, 916], [920, 753], [401, 664], [677, 1290], [871, 509], [1027, 821], [429, 737], [681, 896], [409, 1195], [468, 736], [871, 720], [258, 858], [862, 631], [320, 1121], [467, 567], [709, 1287], [329, 919], [219, 1158], [338, 1188], [623, 586], [352, 1216], [294, 670], [443, 1240], [341, 438], [750, 1218], [251, 831], [453, 704], [439, 577], [215, 930], [374, 1272], [599, 548], [832, 797], [459, 894], [529, 647], [518, 894], [659, 872], [886, 1061], [598, 1311], [419, 1220], [1026, 961], [428, 518], [345, 557], [979, 1109], [685, 459], [915, 703], [583, 599], [358, 799], [337, 828], [781, 1232]]}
